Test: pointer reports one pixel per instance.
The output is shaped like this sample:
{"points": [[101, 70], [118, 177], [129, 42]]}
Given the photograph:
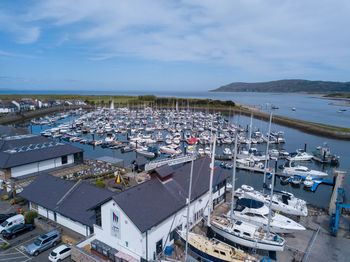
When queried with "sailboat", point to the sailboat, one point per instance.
{"points": [[244, 233], [255, 212], [214, 250], [210, 249]]}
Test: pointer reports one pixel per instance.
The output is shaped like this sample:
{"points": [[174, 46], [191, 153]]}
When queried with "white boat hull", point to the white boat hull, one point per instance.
{"points": [[247, 242]]}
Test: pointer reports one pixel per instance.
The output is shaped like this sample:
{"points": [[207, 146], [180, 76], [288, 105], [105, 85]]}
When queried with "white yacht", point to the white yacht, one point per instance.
{"points": [[281, 201], [300, 156], [246, 234], [303, 171], [109, 138], [255, 212]]}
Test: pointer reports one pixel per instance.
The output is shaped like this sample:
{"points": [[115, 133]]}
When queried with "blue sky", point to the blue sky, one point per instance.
{"points": [[170, 45]]}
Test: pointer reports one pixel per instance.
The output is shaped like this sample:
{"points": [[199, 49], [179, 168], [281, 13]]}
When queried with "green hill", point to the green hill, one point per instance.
{"points": [[285, 86]]}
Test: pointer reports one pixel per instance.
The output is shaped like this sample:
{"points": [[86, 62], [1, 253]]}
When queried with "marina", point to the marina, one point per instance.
{"points": [[174, 137]]}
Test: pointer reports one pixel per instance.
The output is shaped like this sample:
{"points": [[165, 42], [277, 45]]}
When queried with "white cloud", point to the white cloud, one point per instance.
{"points": [[15, 25], [257, 36]]}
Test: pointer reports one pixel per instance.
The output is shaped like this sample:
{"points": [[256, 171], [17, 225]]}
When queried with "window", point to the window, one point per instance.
{"points": [[64, 251], [172, 235], [34, 206], [246, 234], [223, 253], [64, 160], [98, 216], [159, 246], [45, 241]]}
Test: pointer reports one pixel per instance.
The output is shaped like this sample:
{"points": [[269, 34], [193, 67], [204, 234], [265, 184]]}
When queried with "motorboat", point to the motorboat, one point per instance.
{"points": [[227, 151], [110, 138], [303, 171], [323, 154], [296, 180], [246, 234], [255, 212], [282, 201], [309, 182], [300, 156]]}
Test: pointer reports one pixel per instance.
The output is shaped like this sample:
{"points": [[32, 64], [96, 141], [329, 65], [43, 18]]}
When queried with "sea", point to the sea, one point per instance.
{"points": [[307, 107]]}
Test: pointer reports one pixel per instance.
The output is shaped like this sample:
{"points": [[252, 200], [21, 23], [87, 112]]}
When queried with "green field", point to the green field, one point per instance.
{"points": [[148, 100]]}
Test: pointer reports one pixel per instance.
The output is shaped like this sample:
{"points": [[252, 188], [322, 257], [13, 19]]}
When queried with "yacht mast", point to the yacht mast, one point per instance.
{"points": [[270, 204], [250, 131], [267, 152], [188, 208], [211, 180], [234, 174]]}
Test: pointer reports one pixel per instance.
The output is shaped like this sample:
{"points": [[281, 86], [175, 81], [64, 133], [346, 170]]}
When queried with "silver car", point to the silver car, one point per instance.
{"points": [[44, 242]]}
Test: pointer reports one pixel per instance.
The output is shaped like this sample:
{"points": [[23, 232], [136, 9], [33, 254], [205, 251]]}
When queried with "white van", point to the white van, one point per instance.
{"points": [[11, 221]]}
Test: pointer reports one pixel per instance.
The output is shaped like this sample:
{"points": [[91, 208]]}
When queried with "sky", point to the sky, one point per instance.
{"points": [[177, 45]]}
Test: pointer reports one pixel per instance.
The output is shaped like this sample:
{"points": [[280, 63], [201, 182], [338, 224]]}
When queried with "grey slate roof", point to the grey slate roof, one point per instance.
{"points": [[151, 202], [6, 131], [164, 171], [48, 191], [8, 160]]}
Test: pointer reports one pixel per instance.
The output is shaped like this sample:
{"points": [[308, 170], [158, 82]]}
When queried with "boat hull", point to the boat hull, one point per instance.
{"points": [[246, 242]]}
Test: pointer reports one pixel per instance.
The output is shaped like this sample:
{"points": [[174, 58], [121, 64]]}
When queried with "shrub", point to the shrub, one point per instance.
{"points": [[6, 197], [29, 216], [12, 201], [99, 183]]}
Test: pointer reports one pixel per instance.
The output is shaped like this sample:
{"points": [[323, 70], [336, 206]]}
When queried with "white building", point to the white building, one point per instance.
{"points": [[26, 155], [7, 108], [67, 203], [142, 220]]}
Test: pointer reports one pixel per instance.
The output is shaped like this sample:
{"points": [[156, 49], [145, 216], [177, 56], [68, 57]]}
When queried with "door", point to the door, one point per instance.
{"points": [[65, 253]]}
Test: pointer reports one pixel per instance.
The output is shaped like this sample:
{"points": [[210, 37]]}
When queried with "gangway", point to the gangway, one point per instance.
{"points": [[337, 204], [171, 162]]}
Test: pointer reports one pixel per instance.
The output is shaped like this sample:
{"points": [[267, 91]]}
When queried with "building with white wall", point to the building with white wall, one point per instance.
{"points": [[65, 202], [27, 155], [142, 220]]}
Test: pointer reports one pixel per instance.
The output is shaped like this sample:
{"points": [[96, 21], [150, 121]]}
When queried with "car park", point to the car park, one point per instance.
{"points": [[11, 221], [60, 253], [16, 230], [44, 242]]}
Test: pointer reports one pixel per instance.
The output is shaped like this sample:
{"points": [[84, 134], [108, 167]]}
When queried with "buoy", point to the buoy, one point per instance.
{"points": [[118, 179]]}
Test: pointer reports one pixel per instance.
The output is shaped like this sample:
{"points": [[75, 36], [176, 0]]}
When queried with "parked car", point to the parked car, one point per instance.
{"points": [[59, 253], [16, 230], [44, 242], [3, 217], [14, 220]]}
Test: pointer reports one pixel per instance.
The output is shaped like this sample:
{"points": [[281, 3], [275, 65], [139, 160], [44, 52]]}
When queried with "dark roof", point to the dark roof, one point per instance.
{"points": [[164, 171], [6, 131], [151, 202], [69, 199], [140, 161], [46, 190], [19, 150]]}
